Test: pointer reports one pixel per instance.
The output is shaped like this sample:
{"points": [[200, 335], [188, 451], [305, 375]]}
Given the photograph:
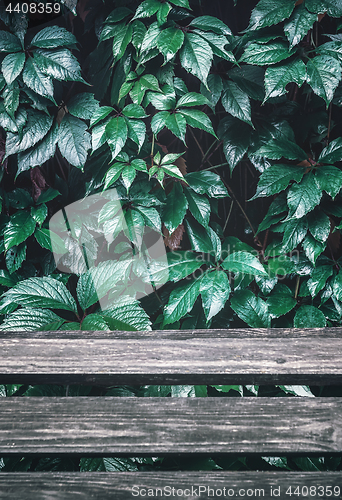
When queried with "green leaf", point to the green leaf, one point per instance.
{"points": [[262, 54], [86, 291], [122, 37], [337, 286], [37, 126], [136, 131], [147, 9], [39, 213], [236, 102], [217, 44], [74, 140], [243, 262], [309, 317], [276, 178], [12, 66], [29, 320], [164, 101], [319, 226], [209, 23], [192, 99], [331, 153], [198, 119], [52, 37], [199, 206], [59, 64], [14, 258], [303, 197], [295, 231], [332, 49], [200, 240], [134, 111], [94, 322], [206, 183], [100, 114], [11, 98], [179, 265], [318, 279], [312, 248], [116, 133], [169, 42], [196, 56], [36, 80], [280, 301], [181, 3], [127, 314], [299, 24], [329, 179], [40, 153], [175, 208], [277, 77], [297, 390], [323, 75], [50, 240], [269, 12], [176, 123], [251, 309], [9, 42], [215, 290], [18, 229], [83, 106], [236, 137], [250, 79], [181, 301], [150, 39], [280, 266], [281, 148], [215, 87], [42, 292]]}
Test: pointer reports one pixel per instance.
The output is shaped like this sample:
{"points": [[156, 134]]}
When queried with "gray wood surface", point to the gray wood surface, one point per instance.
{"points": [[250, 356], [162, 426], [119, 486]]}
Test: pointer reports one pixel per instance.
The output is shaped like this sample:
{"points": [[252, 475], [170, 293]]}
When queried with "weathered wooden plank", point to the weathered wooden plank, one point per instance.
{"points": [[177, 485], [163, 426], [252, 356]]}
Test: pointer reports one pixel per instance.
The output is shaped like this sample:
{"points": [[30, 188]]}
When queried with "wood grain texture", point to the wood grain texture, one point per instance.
{"points": [[118, 486], [250, 356], [164, 426]]}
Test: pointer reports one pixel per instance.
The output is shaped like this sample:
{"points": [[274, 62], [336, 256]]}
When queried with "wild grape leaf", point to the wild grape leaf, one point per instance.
{"points": [[196, 56], [42, 292], [169, 42], [319, 225], [176, 123], [206, 183], [209, 23], [197, 119], [215, 290], [136, 131], [329, 179], [309, 317], [199, 206], [122, 37], [13, 258], [11, 98], [151, 217], [251, 309], [215, 87], [312, 248], [263, 54], [147, 9], [269, 12], [280, 266], [59, 64], [276, 178], [9, 42], [52, 37], [236, 137], [331, 153], [200, 240], [175, 208], [236, 102], [18, 229], [250, 79], [127, 314], [83, 106], [318, 279], [280, 301], [74, 140], [337, 286], [303, 197], [181, 301], [281, 148], [116, 134], [323, 75], [179, 265], [299, 24], [217, 44], [332, 49], [29, 320], [277, 77], [294, 233], [12, 66], [36, 80], [243, 262]]}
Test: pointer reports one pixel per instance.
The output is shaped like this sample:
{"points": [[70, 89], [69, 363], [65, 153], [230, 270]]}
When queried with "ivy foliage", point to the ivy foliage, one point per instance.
{"points": [[213, 128]]}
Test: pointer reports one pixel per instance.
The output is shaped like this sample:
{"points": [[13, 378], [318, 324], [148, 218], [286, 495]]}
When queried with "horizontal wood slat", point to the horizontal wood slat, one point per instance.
{"points": [[251, 356], [118, 486], [163, 426]]}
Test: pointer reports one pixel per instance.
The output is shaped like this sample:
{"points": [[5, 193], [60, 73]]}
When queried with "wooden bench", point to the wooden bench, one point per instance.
{"points": [[112, 426]]}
